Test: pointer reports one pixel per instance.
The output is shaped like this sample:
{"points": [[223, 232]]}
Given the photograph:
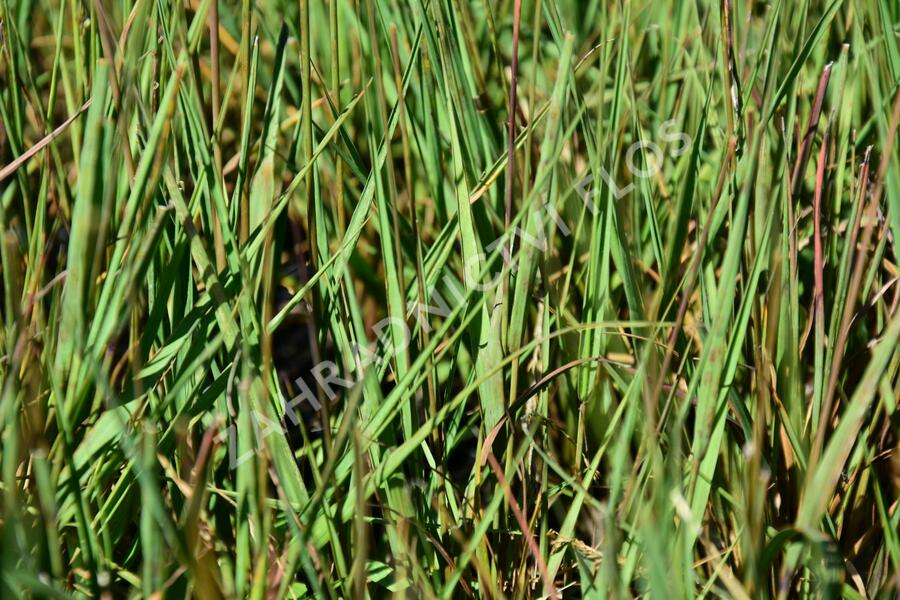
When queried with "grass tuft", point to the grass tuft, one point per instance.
{"points": [[514, 299]]}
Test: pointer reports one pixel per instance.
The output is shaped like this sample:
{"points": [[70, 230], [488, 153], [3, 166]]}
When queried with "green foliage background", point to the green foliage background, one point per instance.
{"points": [[689, 388]]}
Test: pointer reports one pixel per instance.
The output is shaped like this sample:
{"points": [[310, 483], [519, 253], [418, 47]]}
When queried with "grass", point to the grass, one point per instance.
{"points": [[441, 299]]}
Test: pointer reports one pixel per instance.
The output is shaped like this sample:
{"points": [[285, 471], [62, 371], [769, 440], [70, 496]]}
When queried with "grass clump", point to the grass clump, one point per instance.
{"points": [[449, 299]]}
